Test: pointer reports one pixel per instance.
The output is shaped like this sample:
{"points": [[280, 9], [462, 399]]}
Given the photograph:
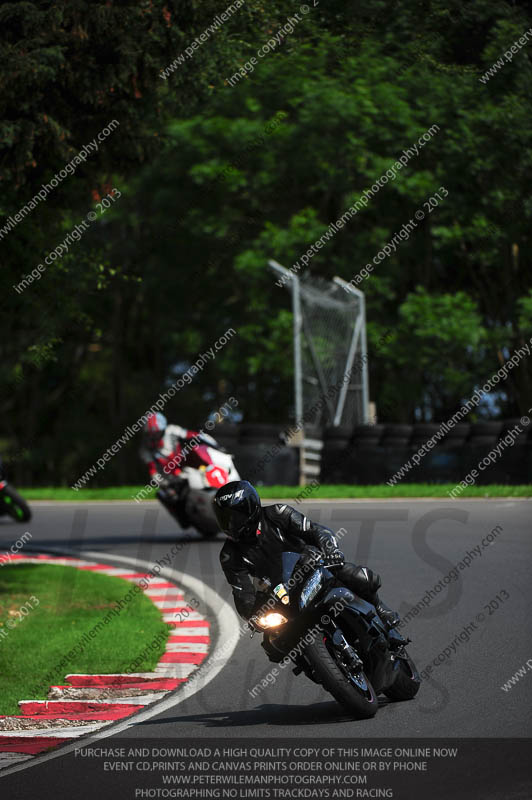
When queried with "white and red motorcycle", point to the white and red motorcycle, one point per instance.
{"points": [[188, 496]]}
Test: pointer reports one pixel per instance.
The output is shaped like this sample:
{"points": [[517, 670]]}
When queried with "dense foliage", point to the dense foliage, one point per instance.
{"points": [[216, 178]]}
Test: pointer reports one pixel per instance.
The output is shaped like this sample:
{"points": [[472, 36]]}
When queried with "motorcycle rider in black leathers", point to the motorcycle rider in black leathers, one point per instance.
{"points": [[254, 533]]}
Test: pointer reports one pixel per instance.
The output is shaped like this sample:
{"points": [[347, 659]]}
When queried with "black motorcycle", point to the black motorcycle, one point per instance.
{"points": [[333, 636], [13, 504]]}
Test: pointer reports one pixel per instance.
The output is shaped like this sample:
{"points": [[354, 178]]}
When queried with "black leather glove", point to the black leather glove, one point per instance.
{"points": [[335, 558]]}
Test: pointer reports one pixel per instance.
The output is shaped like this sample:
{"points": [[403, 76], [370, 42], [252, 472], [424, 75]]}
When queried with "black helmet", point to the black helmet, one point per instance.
{"points": [[237, 508]]}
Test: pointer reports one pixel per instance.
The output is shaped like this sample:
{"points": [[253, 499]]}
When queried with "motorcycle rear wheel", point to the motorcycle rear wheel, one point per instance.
{"points": [[354, 693], [16, 507]]}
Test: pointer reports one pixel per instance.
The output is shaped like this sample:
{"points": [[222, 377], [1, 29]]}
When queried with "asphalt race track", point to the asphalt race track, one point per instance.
{"points": [[412, 545]]}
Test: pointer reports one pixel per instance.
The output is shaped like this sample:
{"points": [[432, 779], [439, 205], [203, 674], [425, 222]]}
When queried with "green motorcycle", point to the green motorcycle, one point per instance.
{"points": [[13, 504]]}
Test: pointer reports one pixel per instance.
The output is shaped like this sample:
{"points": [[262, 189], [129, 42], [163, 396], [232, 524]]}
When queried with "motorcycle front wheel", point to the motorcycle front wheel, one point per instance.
{"points": [[351, 689], [16, 507], [407, 682]]}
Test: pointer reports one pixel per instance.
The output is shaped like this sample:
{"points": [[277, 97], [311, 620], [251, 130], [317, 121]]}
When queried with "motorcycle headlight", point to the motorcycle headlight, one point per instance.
{"points": [[310, 589], [272, 620]]}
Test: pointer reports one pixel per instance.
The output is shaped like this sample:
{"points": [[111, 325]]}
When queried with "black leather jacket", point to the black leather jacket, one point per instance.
{"points": [[281, 528]]}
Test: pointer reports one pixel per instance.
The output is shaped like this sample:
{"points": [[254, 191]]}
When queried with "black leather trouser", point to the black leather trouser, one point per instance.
{"points": [[360, 580]]}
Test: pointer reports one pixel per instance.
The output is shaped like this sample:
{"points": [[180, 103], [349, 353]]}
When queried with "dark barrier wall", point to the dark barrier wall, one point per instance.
{"points": [[369, 454], [261, 456], [376, 465], [374, 454]]}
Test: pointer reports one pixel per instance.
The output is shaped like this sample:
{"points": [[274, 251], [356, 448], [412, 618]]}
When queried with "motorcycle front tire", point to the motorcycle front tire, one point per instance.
{"points": [[15, 505], [175, 509], [406, 684], [208, 533], [360, 702]]}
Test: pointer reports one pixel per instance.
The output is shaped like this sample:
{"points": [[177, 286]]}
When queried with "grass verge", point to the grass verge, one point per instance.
{"points": [[64, 632], [383, 491], [323, 492]]}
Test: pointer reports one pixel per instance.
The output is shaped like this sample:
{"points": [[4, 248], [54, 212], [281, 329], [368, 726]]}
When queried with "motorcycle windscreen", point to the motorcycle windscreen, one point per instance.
{"points": [[278, 566]]}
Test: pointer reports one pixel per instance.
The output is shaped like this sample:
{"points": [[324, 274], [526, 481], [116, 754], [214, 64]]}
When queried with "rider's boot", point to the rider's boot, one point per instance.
{"points": [[390, 618]]}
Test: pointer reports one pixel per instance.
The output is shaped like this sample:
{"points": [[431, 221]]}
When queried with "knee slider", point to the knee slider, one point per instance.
{"points": [[365, 581], [369, 578]]}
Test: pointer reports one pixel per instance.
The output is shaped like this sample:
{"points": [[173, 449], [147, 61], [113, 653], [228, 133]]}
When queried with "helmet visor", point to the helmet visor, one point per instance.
{"points": [[235, 522]]}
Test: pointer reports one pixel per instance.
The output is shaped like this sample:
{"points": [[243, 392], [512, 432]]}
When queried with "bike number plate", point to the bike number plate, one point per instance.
{"points": [[216, 476]]}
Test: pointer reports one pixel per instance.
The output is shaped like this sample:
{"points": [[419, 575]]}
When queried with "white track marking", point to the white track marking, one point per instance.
{"points": [[168, 594], [172, 670], [190, 630], [8, 759], [133, 700], [187, 647], [182, 616], [73, 731]]}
